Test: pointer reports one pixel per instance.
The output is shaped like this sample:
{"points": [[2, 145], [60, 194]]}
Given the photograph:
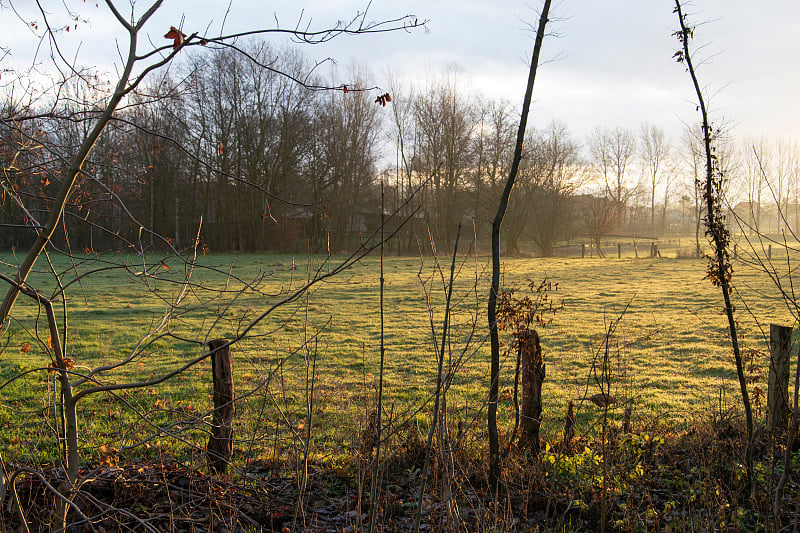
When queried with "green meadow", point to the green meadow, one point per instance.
{"points": [[669, 354]]}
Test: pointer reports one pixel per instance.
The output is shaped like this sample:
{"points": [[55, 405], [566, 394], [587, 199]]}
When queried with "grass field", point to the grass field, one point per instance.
{"points": [[670, 353]]}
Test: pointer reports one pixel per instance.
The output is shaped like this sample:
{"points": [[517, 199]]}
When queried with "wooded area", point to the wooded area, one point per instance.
{"points": [[250, 159]]}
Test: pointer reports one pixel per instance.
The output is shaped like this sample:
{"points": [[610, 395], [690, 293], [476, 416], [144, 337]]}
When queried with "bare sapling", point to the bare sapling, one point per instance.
{"points": [[439, 386], [374, 487], [720, 269], [494, 338]]}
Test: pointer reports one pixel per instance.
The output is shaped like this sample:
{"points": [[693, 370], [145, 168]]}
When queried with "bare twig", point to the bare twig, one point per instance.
{"points": [[432, 430]]}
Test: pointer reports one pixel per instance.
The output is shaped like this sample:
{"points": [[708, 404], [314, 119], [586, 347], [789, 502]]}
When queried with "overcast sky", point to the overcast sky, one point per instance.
{"points": [[610, 63]]}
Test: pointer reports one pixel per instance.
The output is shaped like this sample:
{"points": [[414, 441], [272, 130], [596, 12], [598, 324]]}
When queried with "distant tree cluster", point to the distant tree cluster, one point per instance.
{"points": [[253, 160], [262, 160]]}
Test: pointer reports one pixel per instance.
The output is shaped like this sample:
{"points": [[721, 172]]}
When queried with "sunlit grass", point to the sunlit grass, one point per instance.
{"points": [[670, 354]]}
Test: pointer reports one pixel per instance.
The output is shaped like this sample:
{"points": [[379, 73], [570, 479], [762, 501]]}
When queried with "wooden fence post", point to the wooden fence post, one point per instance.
{"points": [[780, 344], [769, 251], [533, 373], [619, 250], [219, 445], [569, 428], [583, 250]]}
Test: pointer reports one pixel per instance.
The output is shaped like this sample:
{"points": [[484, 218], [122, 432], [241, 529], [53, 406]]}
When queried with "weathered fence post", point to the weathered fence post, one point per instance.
{"points": [[769, 251], [533, 373], [619, 250], [583, 250], [569, 428], [780, 344], [219, 445]]}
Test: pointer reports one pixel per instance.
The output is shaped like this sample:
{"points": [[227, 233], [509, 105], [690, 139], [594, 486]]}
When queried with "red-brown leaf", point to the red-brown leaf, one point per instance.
{"points": [[177, 37]]}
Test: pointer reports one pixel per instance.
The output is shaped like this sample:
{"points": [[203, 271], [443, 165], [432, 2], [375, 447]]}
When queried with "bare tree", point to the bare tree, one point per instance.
{"points": [[493, 146], [600, 217], [346, 128], [612, 151], [693, 160], [755, 155], [402, 134], [90, 159], [768, 175], [548, 176], [786, 170], [443, 128], [254, 140], [494, 370], [654, 154]]}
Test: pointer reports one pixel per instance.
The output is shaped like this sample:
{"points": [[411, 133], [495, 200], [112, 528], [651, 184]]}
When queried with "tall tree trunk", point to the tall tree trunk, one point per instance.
{"points": [[494, 373]]}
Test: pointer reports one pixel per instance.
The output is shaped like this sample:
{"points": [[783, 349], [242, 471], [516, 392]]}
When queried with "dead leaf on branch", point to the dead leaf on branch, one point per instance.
{"points": [[68, 364], [177, 37]]}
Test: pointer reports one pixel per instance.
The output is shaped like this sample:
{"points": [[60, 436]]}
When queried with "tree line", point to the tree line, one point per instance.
{"points": [[249, 159]]}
